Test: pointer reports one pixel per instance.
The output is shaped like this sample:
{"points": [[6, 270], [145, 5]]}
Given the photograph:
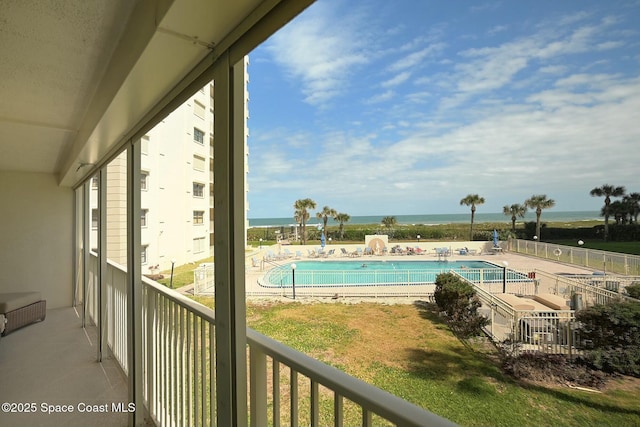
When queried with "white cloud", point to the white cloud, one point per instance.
{"points": [[397, 79], [380, 97], [321, 49], [548, 113], [415, 58]]}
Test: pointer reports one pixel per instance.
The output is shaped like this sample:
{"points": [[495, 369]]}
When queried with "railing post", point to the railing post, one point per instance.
{"points": [[338, 410], [315, 407], [293, 387], [150, 386], [258, 387]]}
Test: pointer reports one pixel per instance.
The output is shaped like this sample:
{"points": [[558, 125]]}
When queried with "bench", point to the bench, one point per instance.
{"points": [[20, 309]]}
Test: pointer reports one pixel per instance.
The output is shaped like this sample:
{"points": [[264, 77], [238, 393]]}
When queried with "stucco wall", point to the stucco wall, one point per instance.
{"points": [[36, 237]]}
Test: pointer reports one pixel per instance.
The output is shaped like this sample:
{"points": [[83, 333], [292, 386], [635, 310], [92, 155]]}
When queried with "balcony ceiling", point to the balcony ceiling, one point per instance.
{"points": [[76, 76]]}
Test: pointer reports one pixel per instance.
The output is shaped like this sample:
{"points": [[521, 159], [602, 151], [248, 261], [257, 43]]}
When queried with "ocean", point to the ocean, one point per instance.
{"points": [[547, 216]]}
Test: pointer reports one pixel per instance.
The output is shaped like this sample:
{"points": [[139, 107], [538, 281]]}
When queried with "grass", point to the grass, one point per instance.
{"points": [[632, 248], [182, 274], [408, 351]]}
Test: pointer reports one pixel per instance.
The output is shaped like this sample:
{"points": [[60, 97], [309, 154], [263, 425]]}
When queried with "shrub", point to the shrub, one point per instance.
{"points": [[633, 290], [458, 300], [614, 331]]}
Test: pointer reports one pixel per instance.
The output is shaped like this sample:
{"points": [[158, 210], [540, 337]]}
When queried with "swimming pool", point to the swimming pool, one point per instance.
{"points": [[372, 273]]}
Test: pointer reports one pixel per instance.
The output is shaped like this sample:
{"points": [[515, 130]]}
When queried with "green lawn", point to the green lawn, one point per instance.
{"points": [[182, 274], [408, 351], [632, 248]]}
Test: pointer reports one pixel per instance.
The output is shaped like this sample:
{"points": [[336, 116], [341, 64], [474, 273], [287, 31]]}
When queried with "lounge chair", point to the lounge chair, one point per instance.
{"points": [[368, 251], [344, 252], [324, 254], [288, 253]]}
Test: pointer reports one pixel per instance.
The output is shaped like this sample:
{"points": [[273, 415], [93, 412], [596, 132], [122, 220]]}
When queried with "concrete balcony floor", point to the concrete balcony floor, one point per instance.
{"points": [[54, 363]]}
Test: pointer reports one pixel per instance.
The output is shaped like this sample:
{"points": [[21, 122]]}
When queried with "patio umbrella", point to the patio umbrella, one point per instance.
{"points": [[495, 238], [322, 241]]}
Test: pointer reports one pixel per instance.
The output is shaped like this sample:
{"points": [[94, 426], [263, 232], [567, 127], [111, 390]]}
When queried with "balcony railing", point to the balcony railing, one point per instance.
{"points": [[179, 367]]}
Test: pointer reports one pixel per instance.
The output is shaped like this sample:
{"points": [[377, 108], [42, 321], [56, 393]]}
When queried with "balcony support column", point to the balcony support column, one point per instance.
{"points": [[230, 309], [102, 263], [86, 238], [134, 286]]}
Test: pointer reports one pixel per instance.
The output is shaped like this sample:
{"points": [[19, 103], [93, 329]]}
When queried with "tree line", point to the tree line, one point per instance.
{"points": [[624, 211]]}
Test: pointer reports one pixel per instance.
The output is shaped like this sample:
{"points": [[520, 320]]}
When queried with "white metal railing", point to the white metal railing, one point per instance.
{"points": [[610, 282], [608, 262], [376, 283], [179, 368], [567, 286], [550, 331], [339, 387]]}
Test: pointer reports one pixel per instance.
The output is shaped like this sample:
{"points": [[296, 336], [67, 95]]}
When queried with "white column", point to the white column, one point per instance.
{"points": [[102, 262], [134, 286], [86, 238], [231, 372]]}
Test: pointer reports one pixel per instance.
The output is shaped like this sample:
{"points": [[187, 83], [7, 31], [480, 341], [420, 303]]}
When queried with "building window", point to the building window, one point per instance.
{"points": [[198, 245], [143, 254], [94, 218], [198, 217], [198, 110], [94, 183], [144, 144], [144, 180], [198, 136], [198, 189], [143, 217], [198, 163]]}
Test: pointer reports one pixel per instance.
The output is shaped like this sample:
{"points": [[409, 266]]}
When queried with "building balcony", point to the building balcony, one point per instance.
{"points": [[53, 364]]}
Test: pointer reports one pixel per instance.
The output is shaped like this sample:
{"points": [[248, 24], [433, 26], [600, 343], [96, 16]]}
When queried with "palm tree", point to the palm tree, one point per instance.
{"points": [[633, 200], [515, 210], [608, 191], [301, 218], [472, 200], [539, 202], [389, 221], [342, 218], [302, 215], [619, 211], [324, 215]]}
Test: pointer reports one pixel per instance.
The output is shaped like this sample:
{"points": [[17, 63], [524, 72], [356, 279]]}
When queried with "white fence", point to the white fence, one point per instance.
{"points": [[203, 279], [376, 283], [548, 331], [607, 262], [179, 368]]}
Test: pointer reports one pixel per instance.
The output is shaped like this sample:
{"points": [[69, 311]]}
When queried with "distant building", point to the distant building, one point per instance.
{"points": [[177, 188]]}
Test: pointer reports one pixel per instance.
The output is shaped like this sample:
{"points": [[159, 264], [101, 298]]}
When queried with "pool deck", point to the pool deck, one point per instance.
{"points": [[358, 293]]}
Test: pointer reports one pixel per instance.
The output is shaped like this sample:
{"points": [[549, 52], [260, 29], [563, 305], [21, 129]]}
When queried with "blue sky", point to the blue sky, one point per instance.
{"points": [[405, 107]]}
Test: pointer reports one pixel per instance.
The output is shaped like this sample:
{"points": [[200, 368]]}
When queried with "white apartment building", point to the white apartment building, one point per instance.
{"points": [[177, 188]]}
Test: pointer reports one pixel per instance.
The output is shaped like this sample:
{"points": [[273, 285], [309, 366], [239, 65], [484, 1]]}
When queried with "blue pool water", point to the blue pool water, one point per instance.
{"points": [[371, 273]]}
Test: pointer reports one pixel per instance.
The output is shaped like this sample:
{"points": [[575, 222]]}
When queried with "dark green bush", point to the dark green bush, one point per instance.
{"points": [[633, 290], [458, 300], [614, 331]]}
